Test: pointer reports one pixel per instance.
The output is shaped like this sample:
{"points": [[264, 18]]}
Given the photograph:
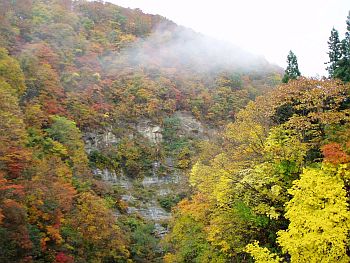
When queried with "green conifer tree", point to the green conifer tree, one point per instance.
{"points": [[343, 66], [335, 52], [292, 70]]}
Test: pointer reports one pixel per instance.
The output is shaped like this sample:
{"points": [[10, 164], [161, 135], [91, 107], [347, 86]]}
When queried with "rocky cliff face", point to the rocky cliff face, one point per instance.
{"points": [[150, 131], [191, 127], [188, 124], [143, 196], [99, 139]]}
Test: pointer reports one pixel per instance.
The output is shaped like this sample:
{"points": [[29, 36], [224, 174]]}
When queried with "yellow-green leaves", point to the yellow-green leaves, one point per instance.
{"points": [[262, 255], [214, 180], [319, 219], [11, 73], [282, 144]]}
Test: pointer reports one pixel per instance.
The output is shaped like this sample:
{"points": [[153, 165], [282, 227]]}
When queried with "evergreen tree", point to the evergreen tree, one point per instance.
{"points": [[335, 52], [292, 70], [346, 41], [341, 68]]}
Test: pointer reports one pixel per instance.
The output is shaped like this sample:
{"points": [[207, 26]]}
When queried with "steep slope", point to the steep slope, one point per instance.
{"points": [[104, 110], [277, 185]]}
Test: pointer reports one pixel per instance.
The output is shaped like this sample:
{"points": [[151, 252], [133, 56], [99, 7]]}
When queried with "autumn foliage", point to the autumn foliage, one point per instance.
{"points": [[271, 184]]}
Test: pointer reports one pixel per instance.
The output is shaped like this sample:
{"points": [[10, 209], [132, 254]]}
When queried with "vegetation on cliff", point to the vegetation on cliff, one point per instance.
{"points": [[268, 166]]}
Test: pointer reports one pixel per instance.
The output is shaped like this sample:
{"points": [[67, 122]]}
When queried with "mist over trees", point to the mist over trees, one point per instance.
{"points": [[258, 166], [275, 189]]}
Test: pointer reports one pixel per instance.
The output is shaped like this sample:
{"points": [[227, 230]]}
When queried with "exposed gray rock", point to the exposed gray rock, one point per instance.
{"points": [[164, 191], [160, 180], [189, 124], [142, 196], [169, 162], [150, 131], [155, 179], [132, 210], [158, 185], [152, 211], [155, 213], [113, 178], [98, 140], [128, 198], [159, 230]]}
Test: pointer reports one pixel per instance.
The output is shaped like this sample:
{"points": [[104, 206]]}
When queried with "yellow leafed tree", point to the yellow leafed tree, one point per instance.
{"points": [[262, 254], [319, 219]]}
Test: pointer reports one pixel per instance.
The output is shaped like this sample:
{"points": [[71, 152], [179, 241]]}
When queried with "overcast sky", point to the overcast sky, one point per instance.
{"points": [[266, 27]]}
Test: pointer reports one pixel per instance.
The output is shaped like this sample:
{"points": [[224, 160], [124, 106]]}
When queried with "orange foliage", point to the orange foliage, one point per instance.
{"points": [[16, 160], [198, 207], [333, 153], [8, 190]]}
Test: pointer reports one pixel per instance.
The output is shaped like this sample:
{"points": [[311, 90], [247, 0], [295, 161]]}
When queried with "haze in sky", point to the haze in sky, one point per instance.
{"points": [[266, 27]]}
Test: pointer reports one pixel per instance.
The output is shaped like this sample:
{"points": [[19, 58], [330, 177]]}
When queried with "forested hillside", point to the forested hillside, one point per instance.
{"points": [[276, 187], [279, 179], [127, 138], [99, 106]]}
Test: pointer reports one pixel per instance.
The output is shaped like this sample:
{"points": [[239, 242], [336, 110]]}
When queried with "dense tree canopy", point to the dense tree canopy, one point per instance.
{"points": [[266, 165], [278, 189]]}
